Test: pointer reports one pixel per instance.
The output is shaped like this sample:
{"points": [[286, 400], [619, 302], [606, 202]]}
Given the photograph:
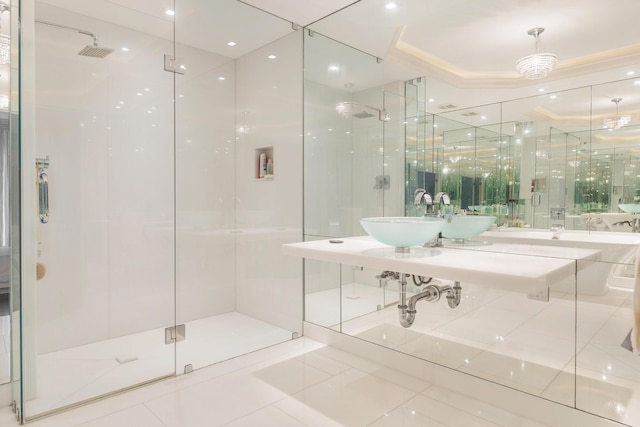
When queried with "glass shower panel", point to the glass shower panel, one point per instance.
{"points": [[235, 291], [344, 130], [348, 174], [104, 150]]}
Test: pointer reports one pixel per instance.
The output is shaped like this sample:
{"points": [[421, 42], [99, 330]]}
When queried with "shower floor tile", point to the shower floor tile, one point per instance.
{"points": [[81, 373]]}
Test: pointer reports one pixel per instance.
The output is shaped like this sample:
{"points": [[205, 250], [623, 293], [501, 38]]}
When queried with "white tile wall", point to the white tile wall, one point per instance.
{"points": [[269, 212]]}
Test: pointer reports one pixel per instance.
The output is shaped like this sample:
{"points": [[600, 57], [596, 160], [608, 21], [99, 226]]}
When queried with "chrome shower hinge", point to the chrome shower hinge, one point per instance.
{"points": [[173, 64], [174, 334]]}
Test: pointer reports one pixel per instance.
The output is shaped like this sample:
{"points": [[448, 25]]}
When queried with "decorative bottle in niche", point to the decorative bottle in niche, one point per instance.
{"points": [[269, 173], [262, 167]]}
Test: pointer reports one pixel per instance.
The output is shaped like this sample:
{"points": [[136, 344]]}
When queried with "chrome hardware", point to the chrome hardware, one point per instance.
{"points": [[43, 189], [421, 194], [174, 334], [431, 293]]}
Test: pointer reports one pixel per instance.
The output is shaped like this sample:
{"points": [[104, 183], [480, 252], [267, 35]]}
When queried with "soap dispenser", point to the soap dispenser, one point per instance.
{"points": [[270, 167]]}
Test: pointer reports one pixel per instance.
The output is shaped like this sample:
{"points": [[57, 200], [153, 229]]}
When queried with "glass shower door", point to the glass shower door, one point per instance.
{"points": [[99, 167]]}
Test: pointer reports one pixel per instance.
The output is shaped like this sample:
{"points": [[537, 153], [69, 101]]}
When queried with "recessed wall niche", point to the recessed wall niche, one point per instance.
{"points": [[263, 160]]}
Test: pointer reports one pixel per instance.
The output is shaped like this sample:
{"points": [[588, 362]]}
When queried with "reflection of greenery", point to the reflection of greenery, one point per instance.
{"points": [[495, 189]]}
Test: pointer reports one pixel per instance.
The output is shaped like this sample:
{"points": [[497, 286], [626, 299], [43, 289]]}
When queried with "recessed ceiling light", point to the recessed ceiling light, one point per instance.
{"points": [[169, 12], [391, 5], [221, 78], [483, 117], [553, 96], [637, 82], [630, 73], [124, 49], [431, 99], [334, 68], [271, 57], [541, 90], [231, 43]]}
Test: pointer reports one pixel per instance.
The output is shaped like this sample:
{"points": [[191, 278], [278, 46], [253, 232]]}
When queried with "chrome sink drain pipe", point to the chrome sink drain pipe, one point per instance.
{"points": [[431, 293]]}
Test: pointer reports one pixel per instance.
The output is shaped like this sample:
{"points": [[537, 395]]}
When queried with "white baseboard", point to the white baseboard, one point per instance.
{"points": [[514, 401]]}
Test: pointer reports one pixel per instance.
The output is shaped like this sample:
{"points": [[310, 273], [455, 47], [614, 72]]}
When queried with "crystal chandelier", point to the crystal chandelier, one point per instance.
{"points": [[538, 65], [617, 121]]}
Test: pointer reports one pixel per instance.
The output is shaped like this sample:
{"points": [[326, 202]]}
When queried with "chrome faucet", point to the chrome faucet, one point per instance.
{"points": [[442, 199], [421, 194]]}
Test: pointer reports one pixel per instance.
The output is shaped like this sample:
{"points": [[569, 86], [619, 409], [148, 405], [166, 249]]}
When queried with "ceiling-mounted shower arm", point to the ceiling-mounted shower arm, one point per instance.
{"points": [[94, 51], [75, 30], [348, 109]]}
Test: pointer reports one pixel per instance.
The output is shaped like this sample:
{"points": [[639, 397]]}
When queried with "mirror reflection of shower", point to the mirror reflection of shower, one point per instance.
{"points": [[348, 109]]}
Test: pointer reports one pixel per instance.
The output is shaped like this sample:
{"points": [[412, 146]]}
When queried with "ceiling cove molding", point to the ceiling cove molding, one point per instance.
{"points": [[404, 52], [542, 113], [617, 139]]}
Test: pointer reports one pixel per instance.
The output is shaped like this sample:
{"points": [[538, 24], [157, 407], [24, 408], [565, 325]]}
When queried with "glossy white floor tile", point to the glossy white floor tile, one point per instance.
{"points": [[297, 383], [77, 374], [525, 344]]}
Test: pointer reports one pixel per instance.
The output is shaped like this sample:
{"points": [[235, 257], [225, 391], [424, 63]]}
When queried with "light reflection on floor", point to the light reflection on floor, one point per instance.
{"points": [[509, 339]]}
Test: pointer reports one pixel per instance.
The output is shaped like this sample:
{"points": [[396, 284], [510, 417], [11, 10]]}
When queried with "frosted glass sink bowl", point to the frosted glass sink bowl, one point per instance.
{"points": [[467, 226], [402, 232], [632, 208]]}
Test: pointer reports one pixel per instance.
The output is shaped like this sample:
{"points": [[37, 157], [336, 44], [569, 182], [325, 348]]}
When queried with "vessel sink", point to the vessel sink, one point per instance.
{"points": [[402, 232], [632, 208], [467, 226]]}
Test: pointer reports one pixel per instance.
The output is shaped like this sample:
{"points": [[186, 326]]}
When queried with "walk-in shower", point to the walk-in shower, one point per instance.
{"points": [[151, 252]]}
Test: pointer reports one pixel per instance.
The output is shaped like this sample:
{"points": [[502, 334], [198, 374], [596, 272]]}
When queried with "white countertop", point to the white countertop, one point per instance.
{"points": [[531, 269]]}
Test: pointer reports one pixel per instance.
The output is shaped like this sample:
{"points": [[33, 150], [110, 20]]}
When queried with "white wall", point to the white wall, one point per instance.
{"points": [[269, 212]]}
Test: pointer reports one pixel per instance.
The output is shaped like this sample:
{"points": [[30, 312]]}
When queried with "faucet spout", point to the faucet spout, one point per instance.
{"points": [[442, 199], [421, 194]]}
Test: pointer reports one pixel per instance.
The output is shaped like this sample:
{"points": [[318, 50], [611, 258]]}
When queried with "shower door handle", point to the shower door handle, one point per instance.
{"points": [[43, 196]]}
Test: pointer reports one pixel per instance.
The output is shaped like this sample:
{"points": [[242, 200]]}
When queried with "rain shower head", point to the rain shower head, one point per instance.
{"points": [[348, 109], [94, 51], [364, 114]]}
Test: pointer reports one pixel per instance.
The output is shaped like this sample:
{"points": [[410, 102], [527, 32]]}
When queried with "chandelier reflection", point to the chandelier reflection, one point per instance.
{"points": [[617, 121]]}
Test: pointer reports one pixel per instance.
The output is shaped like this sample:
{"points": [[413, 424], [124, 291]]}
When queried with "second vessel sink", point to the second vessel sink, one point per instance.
{"points": [[402, 232], [632, 208], [467, 226]]}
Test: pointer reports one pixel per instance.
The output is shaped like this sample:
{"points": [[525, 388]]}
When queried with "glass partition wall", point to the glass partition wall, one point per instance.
{"points": [[142, 139], [538, 164]]}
